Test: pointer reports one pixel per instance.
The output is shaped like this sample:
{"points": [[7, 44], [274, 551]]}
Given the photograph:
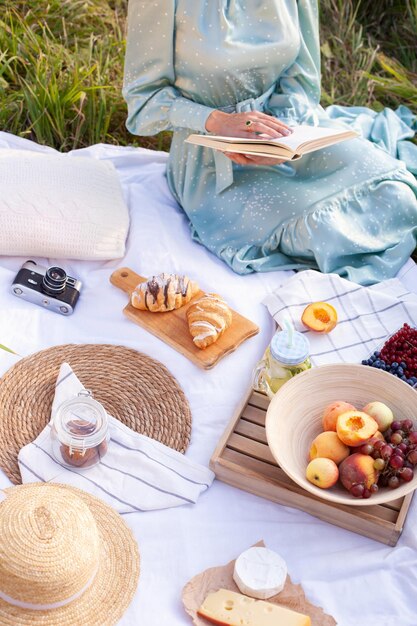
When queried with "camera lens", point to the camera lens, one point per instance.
{"points": [[54, 280]]}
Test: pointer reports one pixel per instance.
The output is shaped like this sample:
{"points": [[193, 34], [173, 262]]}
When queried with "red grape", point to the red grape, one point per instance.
{"points": [[357, 490], [396, 437], [396, 461], [393, 482], [406, 474], [367, 448], [386, 452], [412, 457], [412, 437]]}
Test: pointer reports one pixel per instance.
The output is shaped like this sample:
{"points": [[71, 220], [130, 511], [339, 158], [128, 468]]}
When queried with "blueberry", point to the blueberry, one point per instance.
{"points": [[383, 366], [403, 365], [394, 365], [410, 382], [378, 363], [404, 378], [377, 354], [364, 362], [400, 371]]}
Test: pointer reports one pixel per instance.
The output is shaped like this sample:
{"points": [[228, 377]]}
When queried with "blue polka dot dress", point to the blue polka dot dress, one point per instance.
{"points": [[349, 209]]}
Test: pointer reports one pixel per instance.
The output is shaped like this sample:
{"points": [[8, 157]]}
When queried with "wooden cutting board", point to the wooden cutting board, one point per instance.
{"points": [[172, 326]]}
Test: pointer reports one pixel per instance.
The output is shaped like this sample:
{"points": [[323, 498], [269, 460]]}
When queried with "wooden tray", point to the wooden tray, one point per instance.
{"points": [[243, 459], [172, 327]]}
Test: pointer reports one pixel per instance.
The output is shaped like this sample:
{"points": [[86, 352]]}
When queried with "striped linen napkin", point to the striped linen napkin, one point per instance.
{"points": [[366, 315], [136, 474]]}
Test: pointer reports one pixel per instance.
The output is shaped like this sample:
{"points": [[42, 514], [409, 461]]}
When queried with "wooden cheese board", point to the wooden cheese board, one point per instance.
{"points": [[172, 327], [243, 459]]}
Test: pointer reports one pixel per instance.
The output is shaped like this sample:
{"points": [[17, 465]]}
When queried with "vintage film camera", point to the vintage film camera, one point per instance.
{"points": [[49, 287]]}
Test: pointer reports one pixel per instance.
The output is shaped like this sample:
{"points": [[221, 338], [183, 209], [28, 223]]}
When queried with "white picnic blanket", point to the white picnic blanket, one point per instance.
{"points": [[357, 580], [136, 474]]}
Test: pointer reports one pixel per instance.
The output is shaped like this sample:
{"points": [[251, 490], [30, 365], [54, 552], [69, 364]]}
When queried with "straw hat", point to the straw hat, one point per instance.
{"points": [[66, 558]]}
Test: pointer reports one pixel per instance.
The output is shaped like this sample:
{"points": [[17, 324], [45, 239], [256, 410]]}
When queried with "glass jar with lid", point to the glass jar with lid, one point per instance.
{"points": [[80, 432], [286, 356]]}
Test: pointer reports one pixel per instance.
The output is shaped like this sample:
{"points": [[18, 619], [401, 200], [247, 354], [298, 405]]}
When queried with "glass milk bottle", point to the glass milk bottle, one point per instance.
{"points": [[286, 356]]}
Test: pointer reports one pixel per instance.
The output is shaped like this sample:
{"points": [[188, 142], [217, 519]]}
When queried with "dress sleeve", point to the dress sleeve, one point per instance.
{"points": [[154, 103], [297, 92]]}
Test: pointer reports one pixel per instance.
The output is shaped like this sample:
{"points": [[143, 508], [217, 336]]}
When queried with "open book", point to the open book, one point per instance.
{"points": [[302, 140]]}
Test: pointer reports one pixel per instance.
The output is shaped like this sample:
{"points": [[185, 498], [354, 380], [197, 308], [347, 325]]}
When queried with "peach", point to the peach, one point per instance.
{"points": [[320, 317], [322, 472], [381, 413], [358, 469], [355, 427], [332, 412], [328, 445]]}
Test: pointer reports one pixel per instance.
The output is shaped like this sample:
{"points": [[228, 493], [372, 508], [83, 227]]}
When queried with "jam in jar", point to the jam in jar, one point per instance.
{"points": [[80, 431]]}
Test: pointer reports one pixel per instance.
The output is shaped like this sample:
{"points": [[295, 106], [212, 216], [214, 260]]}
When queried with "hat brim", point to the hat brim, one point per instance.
{"points": [[114, 585]]}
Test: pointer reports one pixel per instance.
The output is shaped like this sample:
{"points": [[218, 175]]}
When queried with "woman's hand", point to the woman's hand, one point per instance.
{"points": [[236, 125], [249, 159]]}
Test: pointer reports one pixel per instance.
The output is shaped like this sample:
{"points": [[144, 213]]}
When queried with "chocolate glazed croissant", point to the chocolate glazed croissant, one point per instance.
{"points": [[208, 318], [164, 292]]}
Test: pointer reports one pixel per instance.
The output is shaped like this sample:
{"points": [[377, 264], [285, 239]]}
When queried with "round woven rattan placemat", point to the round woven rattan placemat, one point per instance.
{"points": [[133, 387]]}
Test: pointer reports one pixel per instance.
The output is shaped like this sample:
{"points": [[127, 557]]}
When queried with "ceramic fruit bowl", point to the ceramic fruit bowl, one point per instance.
{"points": [[294, 419]]}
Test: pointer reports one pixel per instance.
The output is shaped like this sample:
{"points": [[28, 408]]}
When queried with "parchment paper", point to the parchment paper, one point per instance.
{"points": [[292, 596]]}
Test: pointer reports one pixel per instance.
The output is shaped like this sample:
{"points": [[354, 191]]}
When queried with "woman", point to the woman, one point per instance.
{"points": [[214, 65]]}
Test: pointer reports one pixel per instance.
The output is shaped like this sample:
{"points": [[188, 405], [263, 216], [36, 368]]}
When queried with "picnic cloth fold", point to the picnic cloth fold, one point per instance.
{"points": [[366, 315], [136, 474]]}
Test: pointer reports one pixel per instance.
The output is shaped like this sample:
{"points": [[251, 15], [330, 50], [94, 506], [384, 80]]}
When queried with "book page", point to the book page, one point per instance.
{"points": [[304, 134], [301, 136]]}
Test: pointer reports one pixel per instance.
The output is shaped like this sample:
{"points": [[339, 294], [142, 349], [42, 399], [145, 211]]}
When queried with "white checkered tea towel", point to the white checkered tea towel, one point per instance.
{"points": [[366, 315]]}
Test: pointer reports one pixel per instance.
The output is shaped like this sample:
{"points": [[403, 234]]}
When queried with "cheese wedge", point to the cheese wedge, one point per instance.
{"points": [[227, 608], [260, 573]]}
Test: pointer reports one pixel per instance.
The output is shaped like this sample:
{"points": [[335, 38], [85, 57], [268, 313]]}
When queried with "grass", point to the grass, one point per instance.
{"points": [[61, 65], [369, 53]]}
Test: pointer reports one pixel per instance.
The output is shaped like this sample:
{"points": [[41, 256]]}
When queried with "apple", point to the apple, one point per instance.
{"points": [[322, 472], [332, 412], [328, 445], [381, 413]]}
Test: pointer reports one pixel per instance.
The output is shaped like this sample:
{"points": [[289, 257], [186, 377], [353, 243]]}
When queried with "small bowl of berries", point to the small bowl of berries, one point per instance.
{"points": [[346, 433], [398, 355]]}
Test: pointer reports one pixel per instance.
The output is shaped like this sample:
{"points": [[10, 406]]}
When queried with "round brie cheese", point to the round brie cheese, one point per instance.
{"points": [[260, 573]]}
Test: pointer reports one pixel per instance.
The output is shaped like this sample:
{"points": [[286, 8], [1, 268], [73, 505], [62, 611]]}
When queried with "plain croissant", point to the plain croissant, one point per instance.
{"points": [[208, 318], [164, 292]]}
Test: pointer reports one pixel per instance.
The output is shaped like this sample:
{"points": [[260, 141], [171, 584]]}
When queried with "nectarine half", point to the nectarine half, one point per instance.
{"points": [[320, 317], [355, 427]]}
